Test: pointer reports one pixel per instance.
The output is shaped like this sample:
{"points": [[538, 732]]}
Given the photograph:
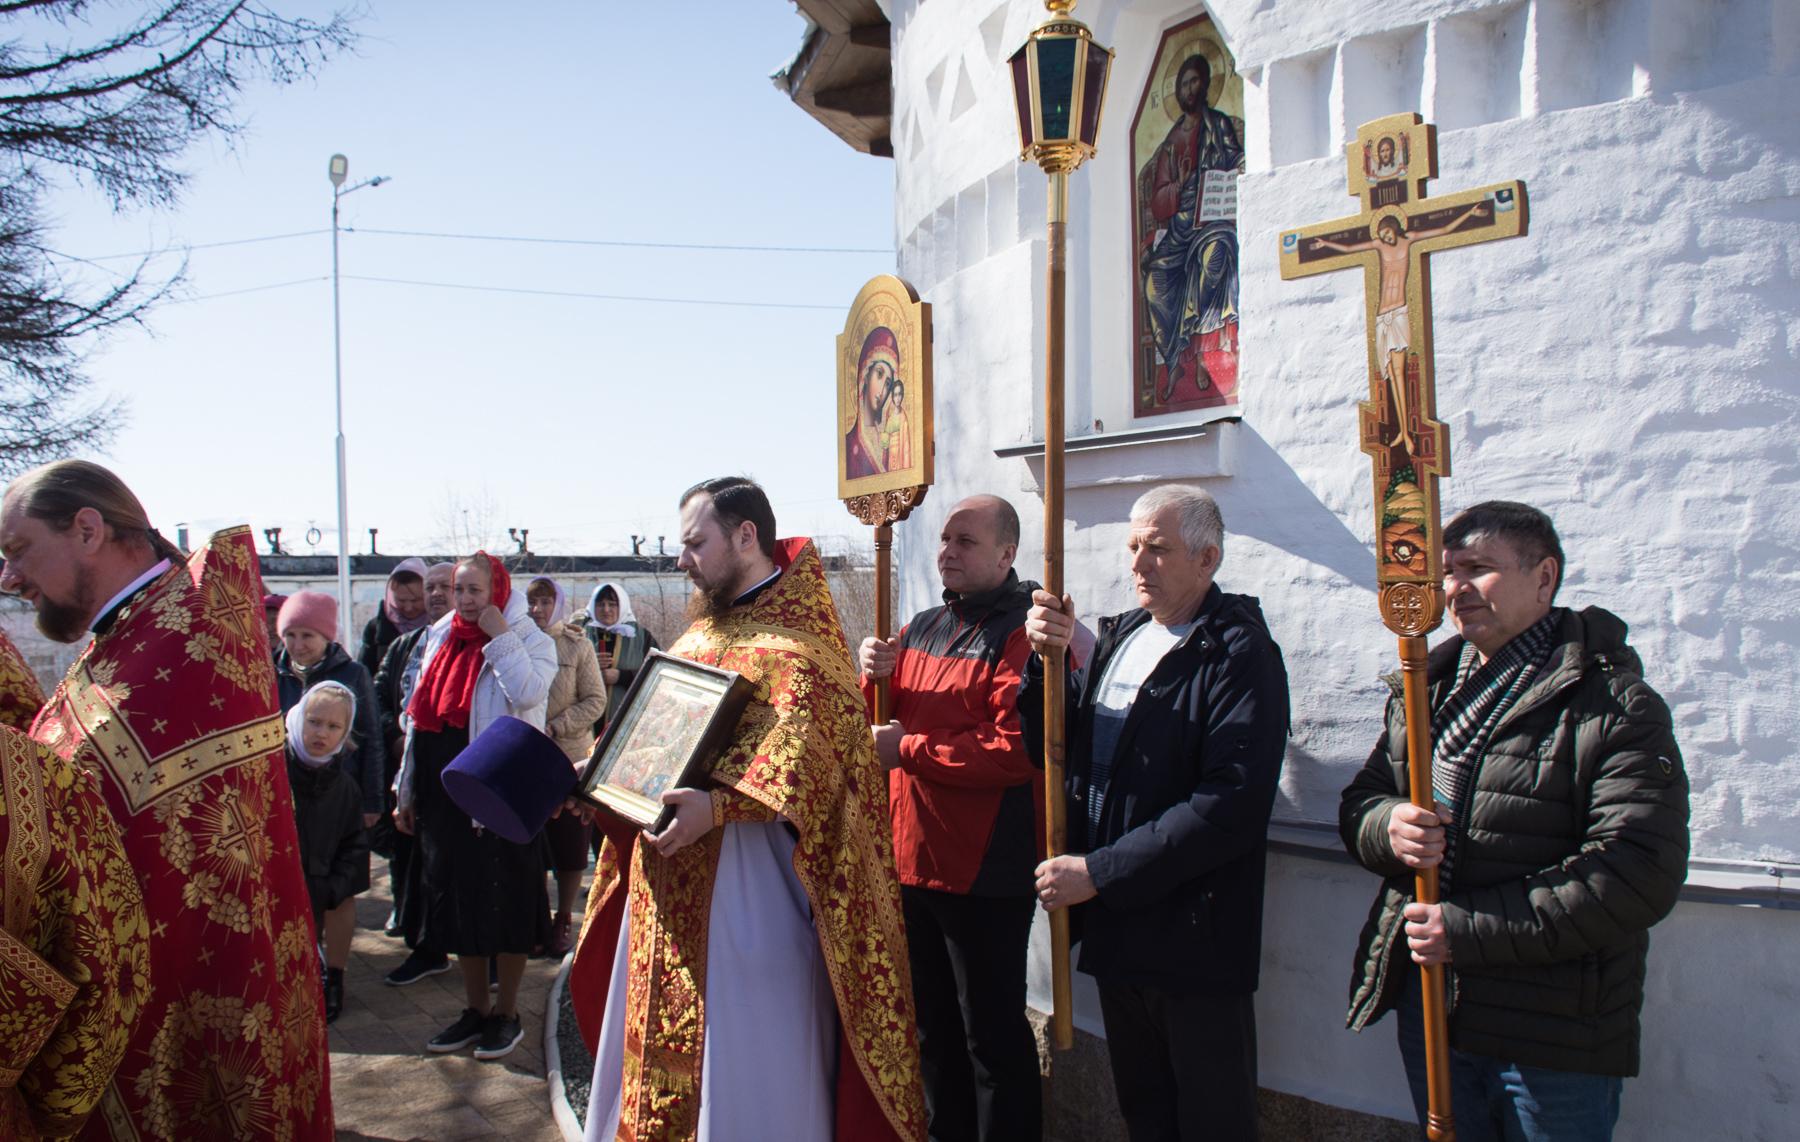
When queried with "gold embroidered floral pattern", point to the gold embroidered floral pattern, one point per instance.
{"points": [[74, 962], [665, 991], [219, 846], [219, 618], [20, 695]]}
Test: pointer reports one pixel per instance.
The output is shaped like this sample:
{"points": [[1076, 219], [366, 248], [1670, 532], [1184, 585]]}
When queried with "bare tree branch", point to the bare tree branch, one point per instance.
{"points": [[115, 107]]}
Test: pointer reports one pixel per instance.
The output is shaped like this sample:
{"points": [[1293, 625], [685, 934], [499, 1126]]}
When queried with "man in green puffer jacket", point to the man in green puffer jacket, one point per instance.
{"points": [[1560, 833]]}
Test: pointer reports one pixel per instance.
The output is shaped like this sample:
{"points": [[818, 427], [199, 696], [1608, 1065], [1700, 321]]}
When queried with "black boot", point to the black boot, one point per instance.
{"points": [[334, 994]]}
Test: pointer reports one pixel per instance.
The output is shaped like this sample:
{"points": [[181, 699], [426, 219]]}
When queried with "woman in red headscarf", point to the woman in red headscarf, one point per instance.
{"points": [[483, 896]]}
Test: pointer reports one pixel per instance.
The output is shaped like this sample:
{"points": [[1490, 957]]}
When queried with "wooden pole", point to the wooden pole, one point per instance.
{"points": [[1062, 1027], [884, 613], [1439, 1123], [1409, 446]]}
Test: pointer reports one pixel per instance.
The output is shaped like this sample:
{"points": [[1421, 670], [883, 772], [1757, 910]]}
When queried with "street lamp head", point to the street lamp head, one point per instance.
{"points": [[340, 170], [1059, 81]]}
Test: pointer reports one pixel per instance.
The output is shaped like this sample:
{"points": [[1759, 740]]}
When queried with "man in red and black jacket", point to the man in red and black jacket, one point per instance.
{"points": [[967, 803]]}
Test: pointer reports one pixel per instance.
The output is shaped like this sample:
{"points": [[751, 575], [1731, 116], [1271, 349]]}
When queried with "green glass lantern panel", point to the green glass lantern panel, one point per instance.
{"points": [[1056, 84]]}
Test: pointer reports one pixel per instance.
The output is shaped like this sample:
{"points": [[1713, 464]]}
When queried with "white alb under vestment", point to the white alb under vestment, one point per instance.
{"points": [[769, 1065]]}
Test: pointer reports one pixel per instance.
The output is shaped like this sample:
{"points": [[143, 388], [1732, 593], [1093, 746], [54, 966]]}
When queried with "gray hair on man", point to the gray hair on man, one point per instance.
{"points": [[1201, 524]]}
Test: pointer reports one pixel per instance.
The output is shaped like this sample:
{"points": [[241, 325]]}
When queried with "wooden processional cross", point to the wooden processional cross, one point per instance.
{"points": [[1390, 240]]}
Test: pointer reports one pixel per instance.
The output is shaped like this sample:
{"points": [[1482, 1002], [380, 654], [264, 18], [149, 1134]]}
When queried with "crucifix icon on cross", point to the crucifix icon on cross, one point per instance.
{"points": [[1389, 162]]}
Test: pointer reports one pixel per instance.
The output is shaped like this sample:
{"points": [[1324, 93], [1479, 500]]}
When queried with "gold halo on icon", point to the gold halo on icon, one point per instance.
{"points": [[1195, 41], [1387, 212], [882, 312]]}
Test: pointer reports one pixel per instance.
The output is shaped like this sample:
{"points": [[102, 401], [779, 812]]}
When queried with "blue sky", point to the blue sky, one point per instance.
{"points": [[578, 418]]}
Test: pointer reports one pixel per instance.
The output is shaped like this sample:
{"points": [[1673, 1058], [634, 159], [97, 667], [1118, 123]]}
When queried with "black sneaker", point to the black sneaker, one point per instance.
{"points": [[334, 994], [499, 1035], [417, 967], [472, 1026]]}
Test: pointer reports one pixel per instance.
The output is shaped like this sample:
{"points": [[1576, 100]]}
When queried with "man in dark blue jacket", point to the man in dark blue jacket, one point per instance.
{"points": [[1176, 733]]}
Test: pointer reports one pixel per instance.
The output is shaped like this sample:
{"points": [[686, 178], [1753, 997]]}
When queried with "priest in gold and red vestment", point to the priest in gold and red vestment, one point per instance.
{"points": [[74, 943], [172, 706], [20, 695], [794, 825]]}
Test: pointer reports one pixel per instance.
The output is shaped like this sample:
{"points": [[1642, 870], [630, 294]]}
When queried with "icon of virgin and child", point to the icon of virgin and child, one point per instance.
{"points": [[878, 440]]}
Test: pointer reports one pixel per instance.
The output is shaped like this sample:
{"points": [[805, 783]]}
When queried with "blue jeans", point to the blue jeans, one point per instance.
{"points": [[1494, 1100]]}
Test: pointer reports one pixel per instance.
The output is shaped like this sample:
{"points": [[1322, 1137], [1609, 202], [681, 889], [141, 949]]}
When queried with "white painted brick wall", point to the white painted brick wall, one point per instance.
{"points": [[1630, 366]]}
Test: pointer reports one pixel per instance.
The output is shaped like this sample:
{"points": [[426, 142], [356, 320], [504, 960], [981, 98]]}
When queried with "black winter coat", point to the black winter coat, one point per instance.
{"points": [[334, 847], [1178, 856], [377, 635], [388, 682], [366, 759], [1576, 843]]}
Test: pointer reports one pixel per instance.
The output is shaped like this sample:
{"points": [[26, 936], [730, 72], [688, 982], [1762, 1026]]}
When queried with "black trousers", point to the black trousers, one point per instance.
{"points": [[978, 1054], [1184, 1066], [399, 865]]}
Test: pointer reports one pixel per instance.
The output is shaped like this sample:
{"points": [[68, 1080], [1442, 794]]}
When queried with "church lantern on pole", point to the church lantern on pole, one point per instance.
{"points": [[1059, 80]]}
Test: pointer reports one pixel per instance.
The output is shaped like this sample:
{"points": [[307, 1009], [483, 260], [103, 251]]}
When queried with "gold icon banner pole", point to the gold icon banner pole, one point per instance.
{"points": [[884, 607], [1059, 82], [1062, 1027]]}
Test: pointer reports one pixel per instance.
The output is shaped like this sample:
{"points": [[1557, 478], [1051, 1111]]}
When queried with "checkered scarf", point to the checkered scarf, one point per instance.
{"points": [[1481, 696]]}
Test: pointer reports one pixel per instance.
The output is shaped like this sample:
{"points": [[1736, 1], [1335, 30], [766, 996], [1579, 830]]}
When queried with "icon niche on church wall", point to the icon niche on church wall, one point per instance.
{"points": [[1187, 152], [884, 390]]}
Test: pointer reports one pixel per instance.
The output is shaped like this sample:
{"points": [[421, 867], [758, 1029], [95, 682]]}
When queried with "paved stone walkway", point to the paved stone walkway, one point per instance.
{"points": [[386, 1087]]}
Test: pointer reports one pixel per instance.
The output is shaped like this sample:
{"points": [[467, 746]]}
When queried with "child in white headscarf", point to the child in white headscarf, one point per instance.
{"points": [[334, 848]]}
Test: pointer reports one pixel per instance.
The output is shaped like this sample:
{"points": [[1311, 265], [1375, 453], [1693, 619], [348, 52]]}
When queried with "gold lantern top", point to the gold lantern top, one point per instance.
{"points": [[1059, 81]]}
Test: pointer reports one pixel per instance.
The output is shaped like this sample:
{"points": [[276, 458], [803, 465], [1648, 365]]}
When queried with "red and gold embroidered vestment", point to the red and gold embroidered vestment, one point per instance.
{"points": [[802, 752], [173, 707]]}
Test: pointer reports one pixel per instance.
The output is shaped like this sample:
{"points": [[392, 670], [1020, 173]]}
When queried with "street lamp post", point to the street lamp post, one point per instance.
{"points": [[339, 171], [1059, 80]]}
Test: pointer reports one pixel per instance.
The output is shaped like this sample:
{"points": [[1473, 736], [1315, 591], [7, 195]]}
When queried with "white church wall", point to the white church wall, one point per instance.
{"points": [[1629, 366]]}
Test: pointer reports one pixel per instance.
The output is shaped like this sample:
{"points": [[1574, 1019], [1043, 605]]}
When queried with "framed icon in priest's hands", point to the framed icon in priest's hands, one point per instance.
{"points": [[666, 734]]}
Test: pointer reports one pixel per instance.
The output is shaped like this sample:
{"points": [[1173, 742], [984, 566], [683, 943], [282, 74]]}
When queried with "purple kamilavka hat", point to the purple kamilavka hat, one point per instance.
{"points": [[510, 779]]}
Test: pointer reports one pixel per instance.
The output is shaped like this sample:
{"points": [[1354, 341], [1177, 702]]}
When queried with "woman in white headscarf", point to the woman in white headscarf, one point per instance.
{"points": [[620, 642]]}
